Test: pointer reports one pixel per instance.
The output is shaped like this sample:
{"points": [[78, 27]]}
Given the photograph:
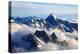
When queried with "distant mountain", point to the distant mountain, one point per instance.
{"points": [[68, 26], [50, 22]]}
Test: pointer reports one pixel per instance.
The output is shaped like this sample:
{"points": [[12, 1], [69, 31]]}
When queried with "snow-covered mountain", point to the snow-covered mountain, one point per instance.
{"points": [[36, 34], [50, 22]]}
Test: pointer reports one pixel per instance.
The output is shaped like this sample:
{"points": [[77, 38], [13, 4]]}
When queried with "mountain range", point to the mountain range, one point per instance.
{"points": [[42, 32], [49, 22]]}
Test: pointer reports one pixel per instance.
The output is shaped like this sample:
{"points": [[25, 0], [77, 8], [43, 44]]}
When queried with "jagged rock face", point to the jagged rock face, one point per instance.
{"points": [[31, 41], [53, 37], [42, 35], [51, 20], [68, 26], [75, 26]]}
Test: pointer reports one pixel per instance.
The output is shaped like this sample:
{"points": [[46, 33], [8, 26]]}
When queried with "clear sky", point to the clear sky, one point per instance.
{"points": [[24, 9]]}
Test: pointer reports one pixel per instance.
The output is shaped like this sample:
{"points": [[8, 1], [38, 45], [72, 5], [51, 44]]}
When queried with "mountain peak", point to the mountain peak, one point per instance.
{"points": [[51, 19], [51, 14]]}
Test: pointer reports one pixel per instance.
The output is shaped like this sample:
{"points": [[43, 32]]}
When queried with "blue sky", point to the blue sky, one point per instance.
{"points": [[24, 9]]}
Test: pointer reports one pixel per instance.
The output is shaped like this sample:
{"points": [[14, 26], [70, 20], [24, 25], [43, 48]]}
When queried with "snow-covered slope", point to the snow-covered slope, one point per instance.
{"points": [[37, 34]]}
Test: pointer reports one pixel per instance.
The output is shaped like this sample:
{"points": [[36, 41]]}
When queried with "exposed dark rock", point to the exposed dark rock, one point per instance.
{"points": [[42, 35], [51, 19], [30, 40], [53, 37]]}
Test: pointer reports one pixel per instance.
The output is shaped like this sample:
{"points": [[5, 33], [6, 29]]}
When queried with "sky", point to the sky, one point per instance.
{"points": [[24, 9]]}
